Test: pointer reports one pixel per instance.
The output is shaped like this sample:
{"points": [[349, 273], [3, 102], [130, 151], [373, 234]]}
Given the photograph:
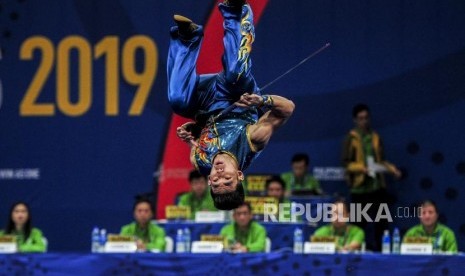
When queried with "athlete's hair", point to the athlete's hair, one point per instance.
{"points": [[195, 174], [246, 204], [275, 178], [143, 200], [11, 226], [429, 202], [359, 108], [229, 201], [298, 157]]}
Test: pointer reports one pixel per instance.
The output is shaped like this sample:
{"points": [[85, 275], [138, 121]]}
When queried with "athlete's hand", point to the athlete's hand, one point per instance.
{"points": [[249, 100], [186, 135]]}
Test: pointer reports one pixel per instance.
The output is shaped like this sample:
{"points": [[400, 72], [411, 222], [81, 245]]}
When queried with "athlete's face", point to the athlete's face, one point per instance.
{"points": [[142, 213], [362, 120], [242, 216], [299, 168], [340, 215], [224, 174], [199, 186], [429, 216], [275, 190], [20, 215]]}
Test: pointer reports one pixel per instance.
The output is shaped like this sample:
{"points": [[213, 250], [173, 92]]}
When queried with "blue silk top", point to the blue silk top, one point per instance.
{"points": [[229, 135]]}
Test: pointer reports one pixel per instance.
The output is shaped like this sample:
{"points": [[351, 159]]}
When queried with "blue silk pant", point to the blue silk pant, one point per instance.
{"points": [[189, 93]]}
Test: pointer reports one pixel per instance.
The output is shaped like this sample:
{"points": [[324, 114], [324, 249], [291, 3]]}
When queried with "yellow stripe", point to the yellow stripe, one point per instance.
{"points": [[249, 140]]}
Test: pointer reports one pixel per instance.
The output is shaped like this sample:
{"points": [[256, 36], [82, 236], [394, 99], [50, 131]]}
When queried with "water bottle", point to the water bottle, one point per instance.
{"points": [[180, 244], [187, 239], [102, 240], [386, 243], [396, 241], [298, 241], [95, 239]]}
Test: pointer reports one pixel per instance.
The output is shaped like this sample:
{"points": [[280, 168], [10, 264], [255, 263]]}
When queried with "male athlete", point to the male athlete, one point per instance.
{"points": [[229, 142]]}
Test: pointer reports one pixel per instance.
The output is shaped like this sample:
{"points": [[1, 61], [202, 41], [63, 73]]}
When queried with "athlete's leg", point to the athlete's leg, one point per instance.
{"points": [[239, 34], [184, 49]]}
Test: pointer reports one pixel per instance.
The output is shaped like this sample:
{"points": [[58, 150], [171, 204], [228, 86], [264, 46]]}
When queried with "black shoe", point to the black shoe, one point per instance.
{"points": [[234, 3], [186, 27]]}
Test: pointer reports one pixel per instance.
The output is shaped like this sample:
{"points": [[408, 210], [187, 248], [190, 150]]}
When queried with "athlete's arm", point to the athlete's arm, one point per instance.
{"points": [[280, 111]]}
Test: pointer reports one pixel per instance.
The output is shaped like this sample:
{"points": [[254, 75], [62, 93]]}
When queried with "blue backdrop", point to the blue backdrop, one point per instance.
{"points": [[84, 114]]}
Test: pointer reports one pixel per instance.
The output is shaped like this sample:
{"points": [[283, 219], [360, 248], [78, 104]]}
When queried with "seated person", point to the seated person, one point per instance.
{"points": [[148, 235], [442, 237], [198, 199], [29, 239], [348, 237], [299, 178], [247, 235], [276, 187]]}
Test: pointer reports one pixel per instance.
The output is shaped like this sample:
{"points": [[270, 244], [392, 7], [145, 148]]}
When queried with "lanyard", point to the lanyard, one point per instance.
{"points": [[346, 235], [436, 242]]}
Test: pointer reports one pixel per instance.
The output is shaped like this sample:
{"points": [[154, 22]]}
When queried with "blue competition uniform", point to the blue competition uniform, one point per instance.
{"points": [[229, 135], [190, 94]]}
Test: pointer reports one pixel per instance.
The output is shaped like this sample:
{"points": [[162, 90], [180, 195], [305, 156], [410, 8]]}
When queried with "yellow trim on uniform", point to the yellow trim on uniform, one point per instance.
{"points": [[249, 140], [193, 159], [227, 153]]}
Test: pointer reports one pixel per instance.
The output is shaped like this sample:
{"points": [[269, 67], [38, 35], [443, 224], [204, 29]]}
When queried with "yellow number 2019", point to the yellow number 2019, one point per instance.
{"points": [[107, 48]]}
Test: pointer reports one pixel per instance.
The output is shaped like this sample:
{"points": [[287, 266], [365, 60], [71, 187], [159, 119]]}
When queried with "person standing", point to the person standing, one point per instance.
{"points": [[362, 148]]}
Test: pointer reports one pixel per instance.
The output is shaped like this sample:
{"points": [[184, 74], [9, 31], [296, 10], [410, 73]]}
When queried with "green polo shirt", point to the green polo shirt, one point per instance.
{"points": [[153, 236], [35, 243], [254, 238], [351, 234], [308, 183], [197, 204], [442, 238]]}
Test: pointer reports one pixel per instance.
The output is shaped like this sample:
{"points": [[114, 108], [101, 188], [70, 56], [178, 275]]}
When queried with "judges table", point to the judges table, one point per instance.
{"points": [[280, 233], [275, 263]]}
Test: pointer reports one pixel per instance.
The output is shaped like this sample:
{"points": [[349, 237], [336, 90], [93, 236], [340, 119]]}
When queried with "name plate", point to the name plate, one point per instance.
{"points": [[416, 249], [119, 238], [256, 184], [8, 247], [207, 247], [178, 212], [210, 216], [120, 247], [417, 240], [258, 203], [8, 244], [320, 247], [326, 239]]}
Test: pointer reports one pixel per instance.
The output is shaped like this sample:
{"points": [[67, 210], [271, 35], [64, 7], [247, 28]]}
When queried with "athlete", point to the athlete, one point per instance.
{"points": [[229, 142]]}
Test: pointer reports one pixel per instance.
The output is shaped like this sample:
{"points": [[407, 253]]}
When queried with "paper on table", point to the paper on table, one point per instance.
{"points": [[374, 168]]}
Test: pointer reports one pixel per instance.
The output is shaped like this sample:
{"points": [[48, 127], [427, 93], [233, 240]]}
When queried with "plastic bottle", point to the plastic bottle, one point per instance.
{"points": [[102, 239], [386, 247], [396, 241], [187, 239], [298, 241], [95, 240], [180, 243]]}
